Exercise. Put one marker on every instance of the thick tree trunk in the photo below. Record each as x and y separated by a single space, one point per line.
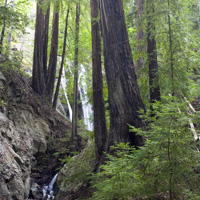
140 35
53 55
154 89
124 95
38 79
62 63
75 95
100 130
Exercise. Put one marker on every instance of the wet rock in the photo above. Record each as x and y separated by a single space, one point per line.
26 124
36 191
82 164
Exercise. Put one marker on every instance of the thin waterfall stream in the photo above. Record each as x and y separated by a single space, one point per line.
87 107
48 192
64 87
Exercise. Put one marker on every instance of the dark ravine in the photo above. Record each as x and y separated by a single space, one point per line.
30 133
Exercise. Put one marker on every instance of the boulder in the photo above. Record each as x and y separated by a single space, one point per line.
73 177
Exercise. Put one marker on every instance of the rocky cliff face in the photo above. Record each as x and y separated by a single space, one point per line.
20 140
26 124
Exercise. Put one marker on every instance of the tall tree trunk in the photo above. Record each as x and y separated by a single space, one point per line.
171 52
3 31
53 54
124 95
100 130
62 63
154 88
46 37
38 79
198 6
140 35
75 95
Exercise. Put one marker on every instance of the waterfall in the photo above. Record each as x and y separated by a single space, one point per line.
87 107
64 84
48 193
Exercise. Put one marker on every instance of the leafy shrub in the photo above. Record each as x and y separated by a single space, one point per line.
165 167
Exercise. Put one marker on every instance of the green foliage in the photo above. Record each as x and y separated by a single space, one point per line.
184 15
2 102
11 60
9 16
116 179
166 165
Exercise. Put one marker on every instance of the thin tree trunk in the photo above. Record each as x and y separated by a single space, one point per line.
198 5
46 36
140 35
171 52
3 31
75 95
124 95
53 54
154 88
100 130
10 35
11 26
62 63
38 79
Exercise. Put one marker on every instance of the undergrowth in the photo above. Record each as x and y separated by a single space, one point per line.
166 167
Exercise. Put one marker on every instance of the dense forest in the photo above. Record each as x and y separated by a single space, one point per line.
133 67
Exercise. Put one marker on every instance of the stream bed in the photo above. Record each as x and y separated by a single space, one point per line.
48 190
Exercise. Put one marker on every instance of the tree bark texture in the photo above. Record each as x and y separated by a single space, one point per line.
100 130
154 89
62 63
46 37
53 55
124 95
140 35
38 79
75 95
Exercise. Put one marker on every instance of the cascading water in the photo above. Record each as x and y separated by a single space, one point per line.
87 107
48 192
64 84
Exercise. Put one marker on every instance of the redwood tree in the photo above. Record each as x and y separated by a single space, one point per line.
75 95
152 55
38 78
62 63
100 130
124 95
140 34
53 54
46 37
